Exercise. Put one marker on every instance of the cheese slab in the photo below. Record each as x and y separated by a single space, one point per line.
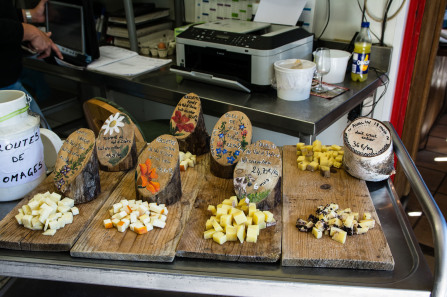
257 175
369 150
230 137
157 177
116 144
303 192
76 172
188 125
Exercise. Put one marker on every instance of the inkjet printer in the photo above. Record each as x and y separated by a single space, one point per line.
238 54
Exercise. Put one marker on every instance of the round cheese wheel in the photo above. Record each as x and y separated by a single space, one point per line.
369 150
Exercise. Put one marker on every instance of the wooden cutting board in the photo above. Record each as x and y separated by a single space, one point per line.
17 237
303 192
213 190
156 245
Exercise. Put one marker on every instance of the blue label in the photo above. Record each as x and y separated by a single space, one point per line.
360 63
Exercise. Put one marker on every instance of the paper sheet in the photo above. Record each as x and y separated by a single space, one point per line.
283 12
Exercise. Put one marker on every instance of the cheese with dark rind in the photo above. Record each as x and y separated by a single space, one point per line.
369 150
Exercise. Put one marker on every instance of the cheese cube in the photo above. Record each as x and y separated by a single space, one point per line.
258 217
49 232
303 165
300 159
158 223
63 208
268 216
216 226
240 233
251 209
115 222
367 216
67 202
317 232
140 229
349 221
249 221
234 200
334 230
312 166
36 224
190 163
121 215
122 226
188 155
370 223
26 209
54 225
156 208
33 204
335 222
340 236
231 233
252 234
208 233
360 230
184 165
225 220
239 217
26 220
212 209
208 224
233 210
149 226
55 197
74 210
181 156
19 218
219 237
108 224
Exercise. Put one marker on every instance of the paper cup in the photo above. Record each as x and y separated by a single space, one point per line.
293 84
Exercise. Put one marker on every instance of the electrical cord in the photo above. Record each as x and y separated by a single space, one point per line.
389 18
328 18
379 73
365 19
385 19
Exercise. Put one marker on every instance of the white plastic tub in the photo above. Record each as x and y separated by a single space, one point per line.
294 84
339 63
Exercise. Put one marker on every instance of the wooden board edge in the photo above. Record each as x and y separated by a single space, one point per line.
123 257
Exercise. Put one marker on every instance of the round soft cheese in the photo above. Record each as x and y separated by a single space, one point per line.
369 150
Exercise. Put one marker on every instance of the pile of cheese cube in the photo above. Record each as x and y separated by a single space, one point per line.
137 215
335 222
186 160
48 212
232 220
319 157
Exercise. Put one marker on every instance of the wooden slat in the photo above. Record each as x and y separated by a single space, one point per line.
156 245
303 192
212 191
17 237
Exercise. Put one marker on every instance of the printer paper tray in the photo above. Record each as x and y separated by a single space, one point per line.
210 78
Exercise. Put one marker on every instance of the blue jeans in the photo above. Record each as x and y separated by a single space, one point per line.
33 104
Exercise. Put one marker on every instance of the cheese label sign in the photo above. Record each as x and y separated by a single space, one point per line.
258 171
367 137
185 116
22 159
115 139
230 137
72 157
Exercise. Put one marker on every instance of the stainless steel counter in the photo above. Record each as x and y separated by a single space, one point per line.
411 276
302 119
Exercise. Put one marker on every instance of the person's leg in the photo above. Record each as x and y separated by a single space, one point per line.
33 105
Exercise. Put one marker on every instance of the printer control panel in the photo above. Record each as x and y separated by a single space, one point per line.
221 37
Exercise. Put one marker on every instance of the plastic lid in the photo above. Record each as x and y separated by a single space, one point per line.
365 24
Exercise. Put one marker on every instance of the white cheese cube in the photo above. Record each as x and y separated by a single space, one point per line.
158 223
116 207
149 226
188 155
115 222
142 209
26 209
121 215
26 220
181 156
19 218
55 197
55 216
67 217
156 208
67 201
74 210
63 208
36 224
124 202
132 226
50 202
54 225
133 218
35 212
61 222
33 204
49 232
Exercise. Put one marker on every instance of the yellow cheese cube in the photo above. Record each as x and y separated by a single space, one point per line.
227 202
219 237
324 161
340 236
244 208
212 209
335 147
216 226
334 230
251 209
239 217
317 233
233 210
258 217
303 165
360 230
316 142
349 221
252 234
298 153
254 227
299 145
335 222
339 158
249 221
209 224
262 225
221 211
242 202
208 233
337 164
234 200
225 220
312 166
231 233
300 159
370 223
240 233
268 216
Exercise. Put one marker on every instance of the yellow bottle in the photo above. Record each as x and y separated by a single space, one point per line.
361 55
